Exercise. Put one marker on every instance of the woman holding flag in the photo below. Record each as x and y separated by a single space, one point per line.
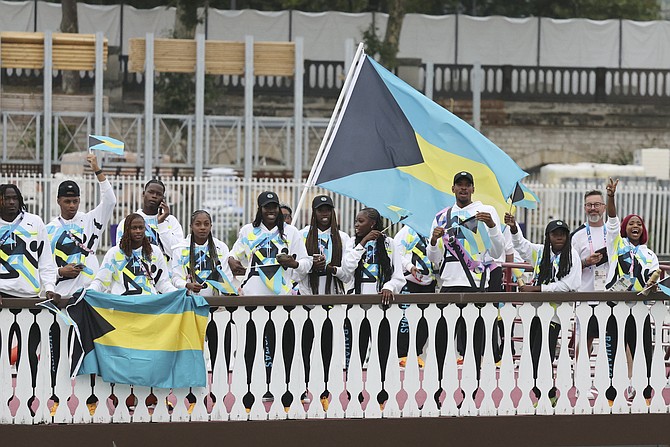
266 249
373 259
200 263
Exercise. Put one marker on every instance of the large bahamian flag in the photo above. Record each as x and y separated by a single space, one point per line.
150 340
389 144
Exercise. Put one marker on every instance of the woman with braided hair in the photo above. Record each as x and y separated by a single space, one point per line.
325 243
135 266
373 258
200 263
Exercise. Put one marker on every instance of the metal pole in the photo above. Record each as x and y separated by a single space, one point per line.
99 73
148 105
430 79
298 108
248 106
48 106
199 103
476 95
348 54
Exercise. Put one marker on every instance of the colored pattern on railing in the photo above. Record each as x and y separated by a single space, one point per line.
358 361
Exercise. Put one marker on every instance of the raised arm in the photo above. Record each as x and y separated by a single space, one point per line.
611 191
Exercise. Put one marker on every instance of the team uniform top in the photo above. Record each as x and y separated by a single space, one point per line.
257 247
532 253
75 241
133 275
630 265
371 268
166 235
326 246
452 272
214 273
26 261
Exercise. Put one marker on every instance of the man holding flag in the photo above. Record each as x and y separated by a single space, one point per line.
465 241
74 235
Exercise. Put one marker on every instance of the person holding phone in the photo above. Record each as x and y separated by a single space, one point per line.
75 235
162 228
325 243
268 251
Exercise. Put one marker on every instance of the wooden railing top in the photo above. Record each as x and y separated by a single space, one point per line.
445 298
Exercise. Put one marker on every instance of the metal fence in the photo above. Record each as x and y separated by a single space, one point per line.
232 202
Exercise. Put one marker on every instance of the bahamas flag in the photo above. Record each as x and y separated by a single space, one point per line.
523 197
389 144
150 340
664 286
102 143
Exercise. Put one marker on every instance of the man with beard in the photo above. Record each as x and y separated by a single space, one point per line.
162 228
589 240
26 262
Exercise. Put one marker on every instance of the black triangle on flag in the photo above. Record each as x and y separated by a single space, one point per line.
470 223
518 194
92 141
91 326
270 270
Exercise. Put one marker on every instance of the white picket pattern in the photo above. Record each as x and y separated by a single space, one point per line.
239 382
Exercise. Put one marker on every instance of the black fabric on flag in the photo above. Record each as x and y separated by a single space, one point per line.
91 327
518 194
374 133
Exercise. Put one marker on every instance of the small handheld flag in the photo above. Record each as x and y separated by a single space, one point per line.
101 143
523 197
664 286
398 215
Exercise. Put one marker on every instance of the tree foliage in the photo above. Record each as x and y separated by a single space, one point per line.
560 9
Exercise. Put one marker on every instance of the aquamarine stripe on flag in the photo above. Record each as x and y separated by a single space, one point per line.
165 303
108 144
161 369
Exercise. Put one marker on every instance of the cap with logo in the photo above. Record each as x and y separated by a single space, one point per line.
322 200
464 174
68 188
555 225
267 197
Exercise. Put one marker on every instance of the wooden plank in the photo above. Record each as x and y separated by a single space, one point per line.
70 51
224 58
274 58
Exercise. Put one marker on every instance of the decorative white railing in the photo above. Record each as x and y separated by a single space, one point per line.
264 355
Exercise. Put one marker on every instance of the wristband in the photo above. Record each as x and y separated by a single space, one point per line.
98 172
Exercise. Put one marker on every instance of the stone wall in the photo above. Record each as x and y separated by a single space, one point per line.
535 134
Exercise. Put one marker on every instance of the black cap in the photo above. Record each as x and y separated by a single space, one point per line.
464 174
68 189
267 197
322 200
555 225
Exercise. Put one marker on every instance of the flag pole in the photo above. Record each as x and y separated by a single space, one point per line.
334 122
